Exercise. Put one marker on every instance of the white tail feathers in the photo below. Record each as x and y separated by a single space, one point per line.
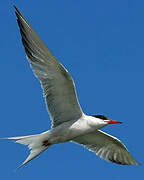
34 142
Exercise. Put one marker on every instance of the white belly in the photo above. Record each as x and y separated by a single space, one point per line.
69 130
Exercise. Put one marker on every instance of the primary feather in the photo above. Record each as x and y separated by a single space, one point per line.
56 81
107 147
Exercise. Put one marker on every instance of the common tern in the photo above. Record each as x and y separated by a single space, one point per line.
69 123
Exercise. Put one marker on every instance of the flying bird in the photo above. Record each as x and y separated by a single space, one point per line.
69 123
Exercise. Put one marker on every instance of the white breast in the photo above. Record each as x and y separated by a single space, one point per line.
67 131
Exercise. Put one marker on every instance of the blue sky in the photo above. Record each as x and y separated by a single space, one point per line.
101 43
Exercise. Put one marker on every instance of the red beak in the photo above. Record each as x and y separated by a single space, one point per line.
114 122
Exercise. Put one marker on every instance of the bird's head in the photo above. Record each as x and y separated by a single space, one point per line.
106 119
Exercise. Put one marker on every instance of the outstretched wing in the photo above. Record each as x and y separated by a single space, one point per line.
107 147
58 86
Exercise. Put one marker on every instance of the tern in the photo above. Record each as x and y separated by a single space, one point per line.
69 123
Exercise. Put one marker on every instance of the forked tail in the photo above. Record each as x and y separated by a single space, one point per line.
36 143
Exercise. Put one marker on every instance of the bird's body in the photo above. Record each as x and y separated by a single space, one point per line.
69 130
69 123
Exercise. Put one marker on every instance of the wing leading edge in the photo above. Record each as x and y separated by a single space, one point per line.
58 85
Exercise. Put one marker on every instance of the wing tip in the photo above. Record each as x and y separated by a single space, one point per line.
137 164
19 14
16 10
133 162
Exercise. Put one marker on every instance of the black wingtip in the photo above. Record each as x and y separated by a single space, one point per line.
14 6
17 12
16 9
